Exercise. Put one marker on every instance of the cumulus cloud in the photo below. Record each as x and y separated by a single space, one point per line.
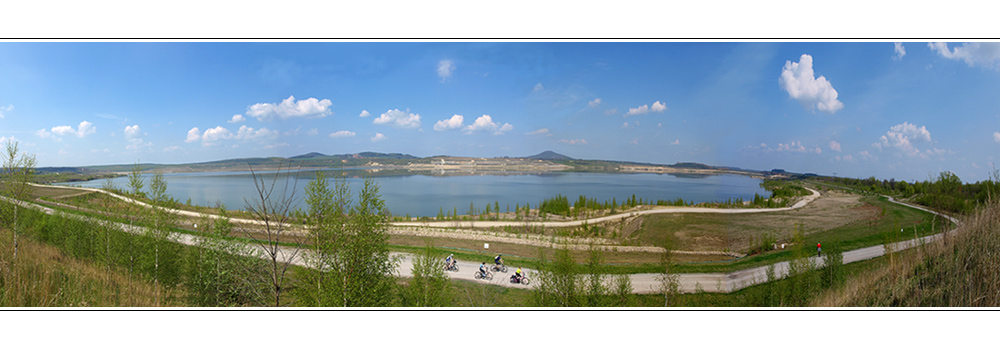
676 142
3 109
486 123
542 131
595 103
796 146
85 128
237 118
364 113
454 122
900 51
903 137
981 54
193 135
289 108
378 137
538 87
343 133
799 80
996 137
312 132
444 69
658 107
250 134
171 148
399 118
133 135
835 146
132 132
612 111
574 141
215 134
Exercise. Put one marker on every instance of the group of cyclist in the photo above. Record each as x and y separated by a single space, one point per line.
498 260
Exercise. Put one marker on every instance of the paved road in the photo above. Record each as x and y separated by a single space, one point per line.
641 283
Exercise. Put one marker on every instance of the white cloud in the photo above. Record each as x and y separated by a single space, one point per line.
312 132
983 54
378 137
595 103
193 135
248 133
835 146
132 132
796 146
485 123
612 111
171 148
996 137
444 69
281 144
5 109
454 122
900 51
538 87
344 133
574 141
801 83
364 113
85 128
289 108
658 107
45 134
237 118
625 126
903 136
542 131
399 118
215 134
676 142
133 135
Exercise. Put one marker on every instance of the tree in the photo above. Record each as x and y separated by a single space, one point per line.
429 286
223 272
596 290
160 219
368 269
558 282
18 172
272 211
669 281
327 221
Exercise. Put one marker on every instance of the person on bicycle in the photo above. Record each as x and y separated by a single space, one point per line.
498 260
517 275
449 261
482 268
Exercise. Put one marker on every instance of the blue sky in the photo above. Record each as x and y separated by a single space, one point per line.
904 111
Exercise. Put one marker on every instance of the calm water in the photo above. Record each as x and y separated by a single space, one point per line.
422 195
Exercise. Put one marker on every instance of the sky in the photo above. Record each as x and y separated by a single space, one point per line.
906 110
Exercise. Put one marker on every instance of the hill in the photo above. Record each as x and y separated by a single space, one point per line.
549 155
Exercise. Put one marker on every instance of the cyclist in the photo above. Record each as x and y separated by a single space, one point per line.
449 261
517 275
482 269
498 260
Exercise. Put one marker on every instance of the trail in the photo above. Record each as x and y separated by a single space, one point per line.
641 283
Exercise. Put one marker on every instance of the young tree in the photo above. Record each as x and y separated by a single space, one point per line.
558 282
272 211
223 272
596 290
368 269
18 172
159 221
669 281
429 286
327 233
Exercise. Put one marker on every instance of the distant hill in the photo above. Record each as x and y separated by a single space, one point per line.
691 166
549 155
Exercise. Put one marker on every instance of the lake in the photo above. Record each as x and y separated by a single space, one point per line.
425 195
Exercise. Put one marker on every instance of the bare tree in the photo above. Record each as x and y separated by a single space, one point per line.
272 210
17 175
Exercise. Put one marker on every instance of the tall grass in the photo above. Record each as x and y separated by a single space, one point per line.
960 271
44 276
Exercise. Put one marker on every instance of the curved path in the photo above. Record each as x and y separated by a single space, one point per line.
641 283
